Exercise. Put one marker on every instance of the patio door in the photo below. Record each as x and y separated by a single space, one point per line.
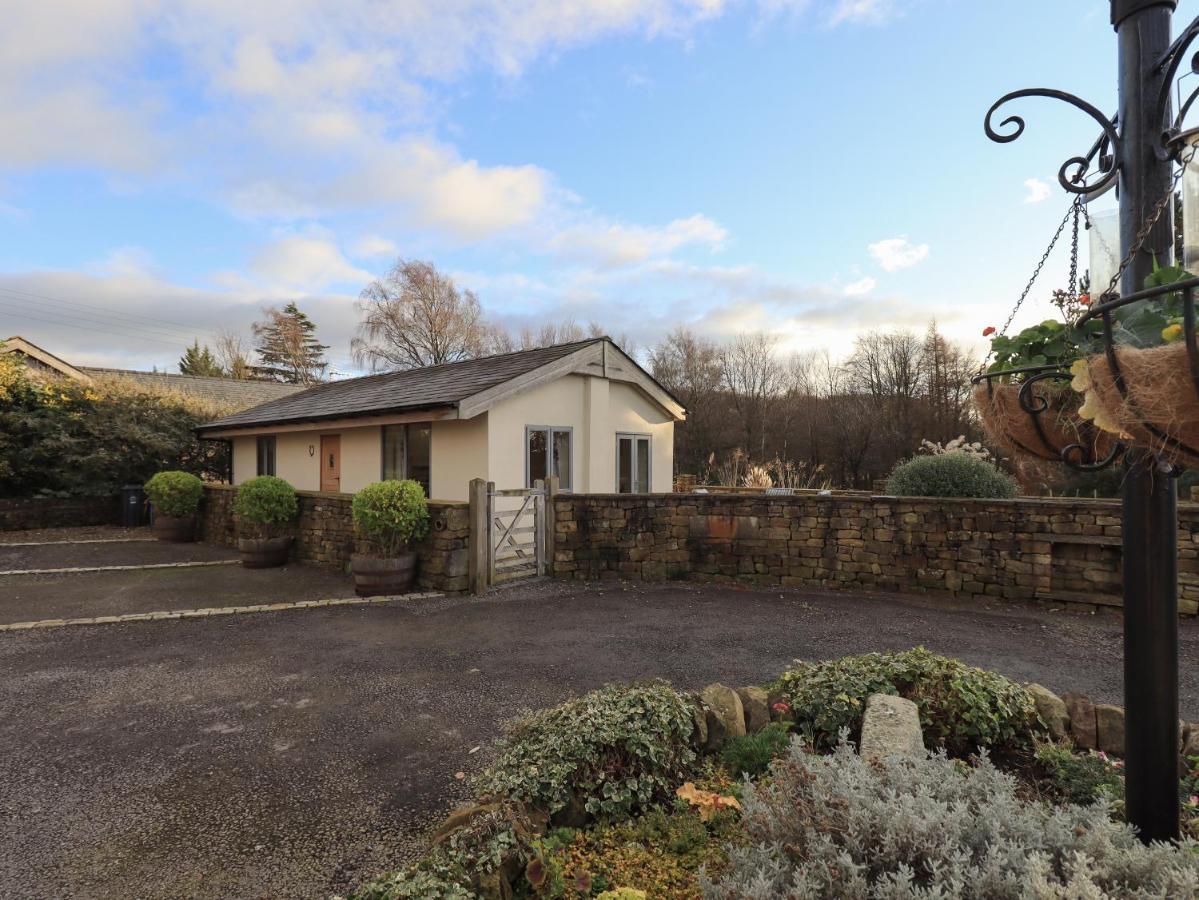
331 463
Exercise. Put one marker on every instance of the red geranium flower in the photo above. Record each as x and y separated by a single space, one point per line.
988 331
1084 299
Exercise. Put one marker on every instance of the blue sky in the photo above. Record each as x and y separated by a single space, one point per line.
813 169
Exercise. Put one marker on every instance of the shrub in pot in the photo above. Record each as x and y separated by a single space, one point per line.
176 497
389 515
950 475
265 507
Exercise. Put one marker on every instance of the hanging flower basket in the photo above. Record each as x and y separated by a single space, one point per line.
1039 417
1147 396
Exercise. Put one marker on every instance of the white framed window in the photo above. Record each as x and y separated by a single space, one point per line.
266 455
548 452
406 452
633 463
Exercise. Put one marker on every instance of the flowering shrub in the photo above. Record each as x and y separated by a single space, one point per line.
175 493
950 475
958 445
961 708
1081 777
613 752
392 513
841 827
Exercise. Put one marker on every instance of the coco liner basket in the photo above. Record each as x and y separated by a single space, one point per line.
1039 416
1150 394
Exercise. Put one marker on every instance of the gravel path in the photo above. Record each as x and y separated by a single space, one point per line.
109 553
296 754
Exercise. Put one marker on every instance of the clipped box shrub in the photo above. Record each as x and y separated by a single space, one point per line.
175 494
392 514
614 752
961 708
950 475
841 827
266 501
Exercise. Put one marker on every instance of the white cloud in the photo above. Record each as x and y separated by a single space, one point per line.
371 245
305 264
616 245
894 254
863 12
859 287
1038 190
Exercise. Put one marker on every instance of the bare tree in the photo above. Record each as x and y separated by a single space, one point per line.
753 376
233 355
416 316
689 367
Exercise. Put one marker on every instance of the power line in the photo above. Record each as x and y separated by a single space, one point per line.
40 316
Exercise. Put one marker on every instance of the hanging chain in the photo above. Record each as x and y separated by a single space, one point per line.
1154 215
1071 212
1072 291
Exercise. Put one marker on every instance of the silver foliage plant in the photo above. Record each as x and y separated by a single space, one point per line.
838 826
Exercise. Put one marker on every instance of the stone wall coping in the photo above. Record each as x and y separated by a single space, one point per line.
728 498
338 495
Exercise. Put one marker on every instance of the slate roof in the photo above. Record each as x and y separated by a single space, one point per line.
228 392
408 390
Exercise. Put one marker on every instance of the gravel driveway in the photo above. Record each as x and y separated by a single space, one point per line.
293 754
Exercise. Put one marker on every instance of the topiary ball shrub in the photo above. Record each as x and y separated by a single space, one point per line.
392 514
175 494
950 475
961 708
612 753
266 501
840 826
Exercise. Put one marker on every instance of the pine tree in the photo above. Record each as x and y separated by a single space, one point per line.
287 348
200 361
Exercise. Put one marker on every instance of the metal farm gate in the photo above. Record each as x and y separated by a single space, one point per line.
516 533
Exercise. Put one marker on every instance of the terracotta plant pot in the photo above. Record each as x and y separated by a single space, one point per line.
176 529
1159 406
263 553
1042 435
382 576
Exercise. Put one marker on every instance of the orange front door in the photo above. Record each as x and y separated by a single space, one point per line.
331 462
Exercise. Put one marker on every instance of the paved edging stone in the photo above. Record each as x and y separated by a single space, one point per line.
214 611
125 540
76 569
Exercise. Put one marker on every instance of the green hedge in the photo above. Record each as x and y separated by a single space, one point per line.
391 513
267 501
950 475
175 493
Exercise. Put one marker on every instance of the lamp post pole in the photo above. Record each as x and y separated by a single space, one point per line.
1150 514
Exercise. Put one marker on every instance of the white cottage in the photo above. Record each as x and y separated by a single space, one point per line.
583 411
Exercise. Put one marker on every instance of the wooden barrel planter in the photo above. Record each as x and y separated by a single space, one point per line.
175 529
263 553
1039 417
376 576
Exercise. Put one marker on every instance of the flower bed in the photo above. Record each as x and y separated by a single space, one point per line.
639 791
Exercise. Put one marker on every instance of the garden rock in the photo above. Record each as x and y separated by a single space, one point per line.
726 715
891 727
1052 711
756 704
1190 741
1082 720
1109 727
699 715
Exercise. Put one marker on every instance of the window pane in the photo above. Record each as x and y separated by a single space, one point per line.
266 456
642 465
420 440
537 456
562 458
393 451
624 465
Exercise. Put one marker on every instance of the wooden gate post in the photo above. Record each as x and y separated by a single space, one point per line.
551 518
539 505
480 537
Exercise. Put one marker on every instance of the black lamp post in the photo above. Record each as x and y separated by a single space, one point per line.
1137 152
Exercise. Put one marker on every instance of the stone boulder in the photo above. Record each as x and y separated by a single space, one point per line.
726 715
756 704
891 727
1082 720
699 716
1052 711
1109 729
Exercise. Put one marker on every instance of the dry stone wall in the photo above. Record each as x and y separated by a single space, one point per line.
19 515
1058 550
325 534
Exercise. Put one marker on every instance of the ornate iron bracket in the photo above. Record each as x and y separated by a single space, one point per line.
1106 148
